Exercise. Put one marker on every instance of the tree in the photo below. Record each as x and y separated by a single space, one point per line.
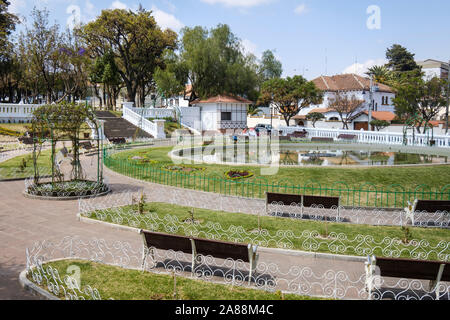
270 67
105 71
39 48
379 124
213 63
138 45
400 59
417 96
253 110
347 107
314 117
381 74
7 25
290 95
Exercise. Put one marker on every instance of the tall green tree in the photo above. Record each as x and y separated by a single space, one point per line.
418 97
212 62
270 67
290 95
400 59
39 47
138 45
8 23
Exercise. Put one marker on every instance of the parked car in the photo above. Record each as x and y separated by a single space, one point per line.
266 127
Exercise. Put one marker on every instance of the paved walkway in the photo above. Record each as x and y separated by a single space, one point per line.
24 221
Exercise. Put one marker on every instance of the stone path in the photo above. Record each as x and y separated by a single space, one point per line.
24 221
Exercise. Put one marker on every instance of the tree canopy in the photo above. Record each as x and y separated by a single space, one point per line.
213 63
425 98
137 42
290 95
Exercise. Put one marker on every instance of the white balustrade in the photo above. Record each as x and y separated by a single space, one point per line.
14 113
390 138
156 128
154 113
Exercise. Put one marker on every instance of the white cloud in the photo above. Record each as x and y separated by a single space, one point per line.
118 5
361 68
301 9
238 3
166 20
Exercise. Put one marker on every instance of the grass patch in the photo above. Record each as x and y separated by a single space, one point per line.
273 225
14 168
123 284
367 187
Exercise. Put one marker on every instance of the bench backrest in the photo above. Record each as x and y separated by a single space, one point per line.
412 269
347 136
167 241
308 201
326 202
222 250
321 139
433 205
285 198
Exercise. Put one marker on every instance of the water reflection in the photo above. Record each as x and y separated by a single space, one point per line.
305 157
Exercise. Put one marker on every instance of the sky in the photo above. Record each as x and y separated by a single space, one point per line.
310 37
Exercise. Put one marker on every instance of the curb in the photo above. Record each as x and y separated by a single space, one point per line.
107 224
288 252
29 196
34 289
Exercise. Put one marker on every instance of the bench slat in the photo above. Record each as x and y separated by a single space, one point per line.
308 201
167 242
222 250
326 202
433 205
412 269
286 199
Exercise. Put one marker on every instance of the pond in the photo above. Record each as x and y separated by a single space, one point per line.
316 155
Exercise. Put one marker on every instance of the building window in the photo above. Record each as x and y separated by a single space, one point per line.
333 119
226 116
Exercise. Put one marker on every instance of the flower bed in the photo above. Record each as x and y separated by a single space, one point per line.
66 189
143 159
237 174
183 169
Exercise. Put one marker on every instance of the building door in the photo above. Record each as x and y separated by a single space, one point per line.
361 125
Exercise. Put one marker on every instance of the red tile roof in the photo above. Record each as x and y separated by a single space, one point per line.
347 82
223 99
382 115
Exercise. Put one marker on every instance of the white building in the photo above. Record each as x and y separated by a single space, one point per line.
434 68
350 85
218 113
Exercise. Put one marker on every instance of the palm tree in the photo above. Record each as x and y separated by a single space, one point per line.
253 110
381 74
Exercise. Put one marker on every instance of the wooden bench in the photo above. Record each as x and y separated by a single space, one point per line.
86 145
298 134
349 137
429 206
434 271
305 201
118 140
321 139
196 246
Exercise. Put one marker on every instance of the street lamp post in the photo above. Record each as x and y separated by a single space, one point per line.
371 102
448 99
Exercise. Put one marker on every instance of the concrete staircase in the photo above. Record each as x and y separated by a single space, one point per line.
116 127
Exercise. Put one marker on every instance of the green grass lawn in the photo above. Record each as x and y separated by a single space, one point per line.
273 225
375 186
123 284
11 169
